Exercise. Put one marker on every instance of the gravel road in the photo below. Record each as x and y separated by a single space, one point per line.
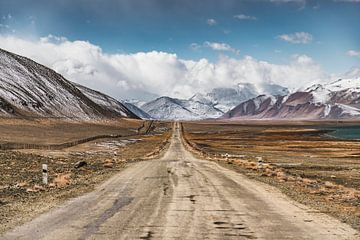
181 197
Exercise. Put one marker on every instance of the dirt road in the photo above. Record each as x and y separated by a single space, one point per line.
181 197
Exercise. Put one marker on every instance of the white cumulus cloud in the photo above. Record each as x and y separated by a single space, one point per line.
144 74
221 47
353 53
244 17
298 37
211 22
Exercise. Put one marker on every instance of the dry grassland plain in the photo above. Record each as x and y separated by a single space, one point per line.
22 194
298 158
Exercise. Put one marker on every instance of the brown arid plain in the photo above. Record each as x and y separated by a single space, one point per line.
79 155
302 161
296 157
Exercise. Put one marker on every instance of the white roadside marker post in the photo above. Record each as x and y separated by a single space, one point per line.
45 174
260 162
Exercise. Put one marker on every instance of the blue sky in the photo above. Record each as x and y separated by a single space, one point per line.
267 30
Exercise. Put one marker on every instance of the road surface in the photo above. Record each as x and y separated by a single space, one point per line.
181 197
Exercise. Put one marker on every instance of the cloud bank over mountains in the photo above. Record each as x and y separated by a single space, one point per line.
144 75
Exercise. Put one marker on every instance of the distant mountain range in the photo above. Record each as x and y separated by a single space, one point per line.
227 98
207 106
337 100
28 89
172 108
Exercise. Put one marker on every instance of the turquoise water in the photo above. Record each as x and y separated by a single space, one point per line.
344 132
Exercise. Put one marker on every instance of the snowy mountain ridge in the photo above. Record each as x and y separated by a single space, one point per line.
33 90
339 99
172 108
227 98
323 93
209 105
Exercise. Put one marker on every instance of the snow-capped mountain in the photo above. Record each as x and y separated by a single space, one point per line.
172 108
259 106
135 109
136 102
209 105
346 91
336 100
227 98
30 89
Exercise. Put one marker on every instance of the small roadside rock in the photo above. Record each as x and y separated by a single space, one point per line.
39 188
36 188
21 184
4 187
62 180
80 164
108 165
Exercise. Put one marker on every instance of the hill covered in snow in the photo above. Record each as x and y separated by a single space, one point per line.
29 89
339 99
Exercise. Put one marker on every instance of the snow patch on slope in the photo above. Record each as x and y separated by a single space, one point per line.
349 110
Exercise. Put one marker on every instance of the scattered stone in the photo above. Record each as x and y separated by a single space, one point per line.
108 165
31 190
22 184
80 164
4 187
330 185
39 188
62 180
281 176
291 179
308 182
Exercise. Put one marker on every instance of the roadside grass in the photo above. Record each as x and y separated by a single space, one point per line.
22 195
302 161
53 131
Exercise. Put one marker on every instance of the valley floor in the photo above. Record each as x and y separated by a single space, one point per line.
179 196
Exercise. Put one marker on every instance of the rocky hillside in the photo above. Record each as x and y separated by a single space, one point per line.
29 89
